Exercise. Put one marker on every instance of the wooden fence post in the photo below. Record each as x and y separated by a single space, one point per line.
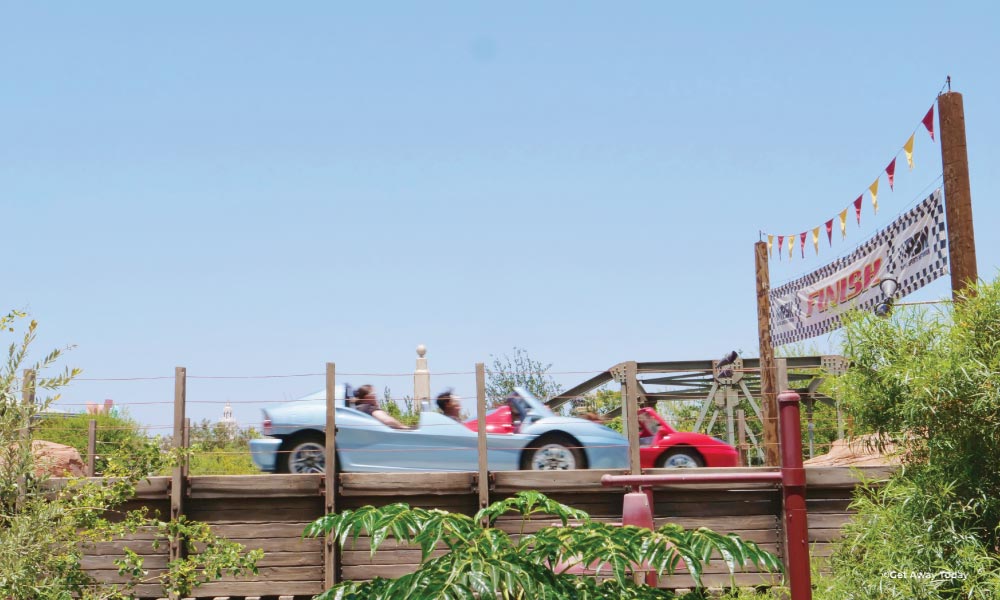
741 428
178 480
484 475
631 403
331 565
92 448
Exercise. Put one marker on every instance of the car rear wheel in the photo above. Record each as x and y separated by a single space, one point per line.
553 453
680 458
304 453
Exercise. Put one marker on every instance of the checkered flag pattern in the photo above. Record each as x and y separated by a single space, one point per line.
913 250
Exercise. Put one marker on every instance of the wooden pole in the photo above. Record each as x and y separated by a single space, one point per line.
631 404
768 382
330 558
92 448
957 193
177 479
741 427
186 465
484 477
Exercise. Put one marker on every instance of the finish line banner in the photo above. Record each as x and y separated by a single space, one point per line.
913 250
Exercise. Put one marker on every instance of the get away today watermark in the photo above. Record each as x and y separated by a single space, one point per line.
927 575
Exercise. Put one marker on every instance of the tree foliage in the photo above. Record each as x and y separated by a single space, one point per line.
116 432
929 382
519 370
45 530
482 561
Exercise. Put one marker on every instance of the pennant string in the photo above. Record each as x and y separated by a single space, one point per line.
890 170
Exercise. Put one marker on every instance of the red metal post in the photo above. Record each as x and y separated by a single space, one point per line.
637 510
793 489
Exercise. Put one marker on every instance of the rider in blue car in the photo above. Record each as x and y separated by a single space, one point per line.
366 402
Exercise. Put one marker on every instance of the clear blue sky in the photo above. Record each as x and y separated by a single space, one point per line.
249 188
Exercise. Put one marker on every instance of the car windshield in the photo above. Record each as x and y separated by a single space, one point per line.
538 407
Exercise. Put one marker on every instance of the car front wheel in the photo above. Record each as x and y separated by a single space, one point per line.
303 454
553 453
680 459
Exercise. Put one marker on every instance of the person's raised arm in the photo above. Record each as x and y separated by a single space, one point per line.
386 418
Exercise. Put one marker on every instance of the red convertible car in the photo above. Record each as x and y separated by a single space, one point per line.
661 446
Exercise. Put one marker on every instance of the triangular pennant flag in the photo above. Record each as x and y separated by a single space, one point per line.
857 208
770 246
829 232
816 240
802 236
873 188
908 148
781 244
928 122
891 172
843 224
791 246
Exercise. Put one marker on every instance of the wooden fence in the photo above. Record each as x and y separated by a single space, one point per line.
271 511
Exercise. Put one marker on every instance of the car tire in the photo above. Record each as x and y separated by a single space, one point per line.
553 452
303 453
680 458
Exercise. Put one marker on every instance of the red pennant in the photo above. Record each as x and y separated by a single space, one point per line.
781 245
802 239
857 203
891 172
829 232
928 122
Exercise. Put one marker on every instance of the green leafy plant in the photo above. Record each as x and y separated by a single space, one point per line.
45 528
929 383
482 561
116 432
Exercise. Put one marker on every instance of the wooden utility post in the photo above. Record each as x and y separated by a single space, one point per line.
484 477
177 479
768 374
957 193
330 563
630 401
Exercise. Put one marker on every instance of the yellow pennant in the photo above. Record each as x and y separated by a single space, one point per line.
908 147
791 246
816 240
873 188
770 246
843 223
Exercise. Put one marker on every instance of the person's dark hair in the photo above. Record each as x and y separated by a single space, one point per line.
443 398
364 392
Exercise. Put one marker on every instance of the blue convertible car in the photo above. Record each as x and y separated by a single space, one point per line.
536 438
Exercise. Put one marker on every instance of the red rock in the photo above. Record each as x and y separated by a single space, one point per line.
859 452
57 460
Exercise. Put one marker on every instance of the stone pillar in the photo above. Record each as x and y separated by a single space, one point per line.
421 376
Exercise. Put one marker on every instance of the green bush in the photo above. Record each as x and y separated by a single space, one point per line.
116 432
929 383
912 539
219 449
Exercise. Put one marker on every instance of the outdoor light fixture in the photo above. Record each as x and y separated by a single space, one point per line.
725 361
888 286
